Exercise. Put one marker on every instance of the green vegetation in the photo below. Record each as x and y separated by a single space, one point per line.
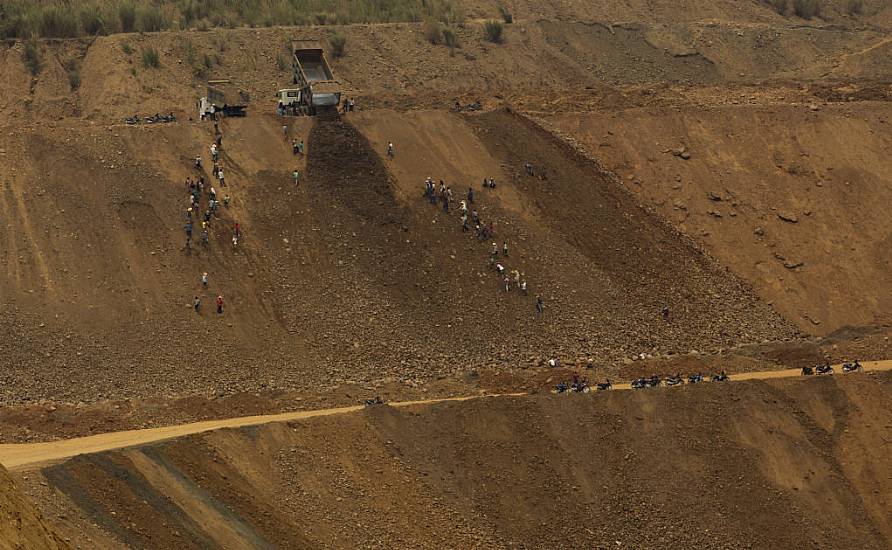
780 6
151 19
506 15
74 79
807 9
150 58
450 39
127 16
492 31
65 19
337 41
31 57
433 31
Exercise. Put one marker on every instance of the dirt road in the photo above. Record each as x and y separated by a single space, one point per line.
27 456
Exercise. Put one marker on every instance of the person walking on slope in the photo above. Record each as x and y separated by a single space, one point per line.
196 303
220 304
540 306
204 280
505 249
295 176
470 196
214 156
390 150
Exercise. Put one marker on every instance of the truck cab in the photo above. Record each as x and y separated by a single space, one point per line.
288 97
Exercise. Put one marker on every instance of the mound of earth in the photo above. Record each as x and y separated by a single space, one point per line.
350 276
21 525
791 208
742 464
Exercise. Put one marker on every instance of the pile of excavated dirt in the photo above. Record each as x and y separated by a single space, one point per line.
544 57
768 464
350 277
795 208
21 525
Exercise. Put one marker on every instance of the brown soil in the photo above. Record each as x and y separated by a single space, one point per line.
790 207
753 462
21 525
712 157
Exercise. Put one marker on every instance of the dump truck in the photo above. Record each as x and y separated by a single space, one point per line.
313 81
216 100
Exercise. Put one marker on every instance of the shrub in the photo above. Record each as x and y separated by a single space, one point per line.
74 79
31 57
450 39
151 19
127 16
780 6
807 9
506 15
58 22
221 43
433 31
150 58
326 18
338 42
854 7
492 31
92 22
447 13
127 48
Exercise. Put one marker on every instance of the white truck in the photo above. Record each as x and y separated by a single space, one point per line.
288 99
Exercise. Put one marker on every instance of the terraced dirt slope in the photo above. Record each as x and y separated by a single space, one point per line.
552 51
350 276
21 525
721 465
796 206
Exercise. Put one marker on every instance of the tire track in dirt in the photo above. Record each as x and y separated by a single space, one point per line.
28 456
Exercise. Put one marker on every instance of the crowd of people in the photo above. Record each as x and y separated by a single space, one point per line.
442 195
203 212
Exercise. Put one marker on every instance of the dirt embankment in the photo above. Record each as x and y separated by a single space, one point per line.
744 464
795 207
21 525
544 56
346 278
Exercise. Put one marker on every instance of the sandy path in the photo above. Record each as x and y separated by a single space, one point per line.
15 456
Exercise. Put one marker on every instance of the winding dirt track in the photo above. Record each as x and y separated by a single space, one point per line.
16 456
